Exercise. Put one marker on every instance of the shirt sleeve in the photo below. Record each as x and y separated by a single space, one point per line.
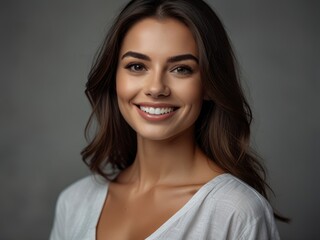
244 215
59 223
257 220
260 230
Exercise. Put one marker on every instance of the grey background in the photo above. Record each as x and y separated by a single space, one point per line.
46 52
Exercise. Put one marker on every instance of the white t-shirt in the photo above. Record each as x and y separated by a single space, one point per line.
223 208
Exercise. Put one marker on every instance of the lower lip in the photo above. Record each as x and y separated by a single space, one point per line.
153 117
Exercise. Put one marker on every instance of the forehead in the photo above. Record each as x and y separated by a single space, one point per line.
161 37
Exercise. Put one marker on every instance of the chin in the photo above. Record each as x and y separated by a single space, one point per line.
164 134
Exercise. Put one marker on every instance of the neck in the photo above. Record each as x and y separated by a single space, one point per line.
164 162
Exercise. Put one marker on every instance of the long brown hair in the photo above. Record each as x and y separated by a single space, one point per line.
223 127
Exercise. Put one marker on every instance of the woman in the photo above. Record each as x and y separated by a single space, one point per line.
171 155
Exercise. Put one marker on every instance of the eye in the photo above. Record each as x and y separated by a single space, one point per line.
135 67
183 70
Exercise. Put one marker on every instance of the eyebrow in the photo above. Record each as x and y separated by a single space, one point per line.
136 55
170 59
183 57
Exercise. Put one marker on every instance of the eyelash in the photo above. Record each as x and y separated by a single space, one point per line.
187 70
130 67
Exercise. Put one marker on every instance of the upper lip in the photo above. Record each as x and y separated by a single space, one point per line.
156 105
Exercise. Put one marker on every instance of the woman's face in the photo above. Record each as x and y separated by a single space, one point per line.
158 80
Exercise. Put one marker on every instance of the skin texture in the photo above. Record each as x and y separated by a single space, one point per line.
169 168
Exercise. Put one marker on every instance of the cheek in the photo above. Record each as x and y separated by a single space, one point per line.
124 87
191 92
122 90
120 84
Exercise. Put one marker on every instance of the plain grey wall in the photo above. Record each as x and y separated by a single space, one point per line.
46 52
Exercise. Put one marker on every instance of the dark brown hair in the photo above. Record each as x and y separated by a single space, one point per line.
223 127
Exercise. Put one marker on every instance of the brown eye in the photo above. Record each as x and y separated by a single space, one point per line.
136 67
183 70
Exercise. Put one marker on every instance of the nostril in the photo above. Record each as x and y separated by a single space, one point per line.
158 93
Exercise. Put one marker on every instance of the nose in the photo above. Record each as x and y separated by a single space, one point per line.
156 86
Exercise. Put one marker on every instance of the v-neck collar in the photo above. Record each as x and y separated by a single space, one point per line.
200 194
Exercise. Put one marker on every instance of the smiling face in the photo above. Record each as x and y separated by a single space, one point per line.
158 80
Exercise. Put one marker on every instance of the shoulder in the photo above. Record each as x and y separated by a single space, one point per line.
241 209
80 197
78 207
83 188
238 196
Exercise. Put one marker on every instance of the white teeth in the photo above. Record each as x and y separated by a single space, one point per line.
156 111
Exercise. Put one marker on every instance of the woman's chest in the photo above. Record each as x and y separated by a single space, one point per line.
136 217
